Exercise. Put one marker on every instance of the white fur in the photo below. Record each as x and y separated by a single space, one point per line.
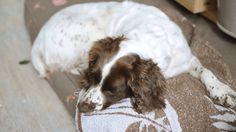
217 90
64 41
151 35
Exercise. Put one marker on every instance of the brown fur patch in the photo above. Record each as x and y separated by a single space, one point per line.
133 76
102 51
146 82
115 85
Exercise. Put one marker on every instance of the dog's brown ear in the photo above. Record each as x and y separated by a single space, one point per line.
88 78
99 54
103 50
146 83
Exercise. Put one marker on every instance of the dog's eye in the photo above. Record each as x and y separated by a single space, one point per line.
109 92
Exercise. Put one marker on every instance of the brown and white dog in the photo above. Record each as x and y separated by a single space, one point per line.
122 50
110 78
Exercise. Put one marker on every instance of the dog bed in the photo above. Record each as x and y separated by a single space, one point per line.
188 107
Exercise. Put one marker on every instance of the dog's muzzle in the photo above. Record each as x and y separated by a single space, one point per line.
90 100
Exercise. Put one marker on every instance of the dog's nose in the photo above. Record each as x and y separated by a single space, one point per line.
86 107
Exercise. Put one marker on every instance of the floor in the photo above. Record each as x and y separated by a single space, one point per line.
26 99
27 103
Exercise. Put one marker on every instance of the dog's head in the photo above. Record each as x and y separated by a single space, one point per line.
107 81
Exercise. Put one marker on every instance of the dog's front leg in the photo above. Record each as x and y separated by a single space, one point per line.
221 93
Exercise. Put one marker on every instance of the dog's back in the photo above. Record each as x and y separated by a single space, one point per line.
68 36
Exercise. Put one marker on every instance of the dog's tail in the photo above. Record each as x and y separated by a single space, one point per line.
37 59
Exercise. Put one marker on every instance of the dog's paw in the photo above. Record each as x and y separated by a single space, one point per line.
222 94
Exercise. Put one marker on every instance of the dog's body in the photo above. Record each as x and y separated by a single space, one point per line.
65 40
152 42
69 35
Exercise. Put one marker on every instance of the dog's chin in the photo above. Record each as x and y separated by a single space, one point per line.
105 106
90 111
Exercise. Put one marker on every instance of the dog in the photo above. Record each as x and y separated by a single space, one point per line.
121 49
